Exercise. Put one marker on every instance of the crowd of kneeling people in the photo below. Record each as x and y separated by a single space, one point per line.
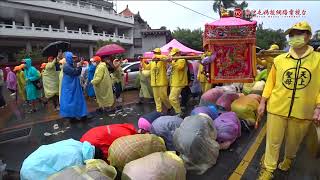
164 147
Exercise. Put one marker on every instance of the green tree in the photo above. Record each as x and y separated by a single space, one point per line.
35 54
266 37
190 38
101 43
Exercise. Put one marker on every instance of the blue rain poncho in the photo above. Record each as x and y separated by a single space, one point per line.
72 102
164 127
31 74
90 89
52 158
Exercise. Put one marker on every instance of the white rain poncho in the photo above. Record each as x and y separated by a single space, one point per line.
156 166
195 139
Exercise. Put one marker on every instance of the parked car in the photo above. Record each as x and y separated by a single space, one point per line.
130 69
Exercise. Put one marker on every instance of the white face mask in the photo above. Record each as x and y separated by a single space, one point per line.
94 63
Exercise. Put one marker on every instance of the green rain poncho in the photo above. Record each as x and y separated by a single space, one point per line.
21 85
102 84
50 79
31 74
143 81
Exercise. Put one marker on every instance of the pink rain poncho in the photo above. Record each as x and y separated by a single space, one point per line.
226 100
211 95
11 79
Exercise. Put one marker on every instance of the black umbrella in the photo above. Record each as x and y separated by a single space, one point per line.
53 48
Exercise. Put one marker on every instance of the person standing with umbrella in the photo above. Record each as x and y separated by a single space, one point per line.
72 102
50 81
102 84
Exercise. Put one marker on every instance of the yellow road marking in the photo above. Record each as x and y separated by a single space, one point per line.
243 165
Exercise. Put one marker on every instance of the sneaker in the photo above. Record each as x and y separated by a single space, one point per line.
265 175
285 164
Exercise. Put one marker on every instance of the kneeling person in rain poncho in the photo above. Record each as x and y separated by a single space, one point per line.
103 136
195 140
52 158
160 166
129 148
164 127
72 102
145 121
93 170
102 84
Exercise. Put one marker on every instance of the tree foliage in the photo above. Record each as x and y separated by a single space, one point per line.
266 37
190 38
35 54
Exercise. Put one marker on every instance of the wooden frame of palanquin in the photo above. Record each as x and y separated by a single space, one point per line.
231 35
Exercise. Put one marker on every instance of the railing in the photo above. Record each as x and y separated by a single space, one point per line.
62 4
61 33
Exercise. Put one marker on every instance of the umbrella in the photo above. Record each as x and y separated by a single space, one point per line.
110 50
53 48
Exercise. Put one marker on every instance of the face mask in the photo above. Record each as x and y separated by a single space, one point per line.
94 63
297 41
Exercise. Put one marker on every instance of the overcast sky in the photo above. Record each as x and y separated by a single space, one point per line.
166 13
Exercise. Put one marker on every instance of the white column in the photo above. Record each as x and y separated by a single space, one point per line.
89 27
116 30
28 47
61 22
90 50
26 18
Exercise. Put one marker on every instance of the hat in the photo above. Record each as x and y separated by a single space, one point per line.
157 50
43 65
302 26
16 68
274 47
174 51
96 58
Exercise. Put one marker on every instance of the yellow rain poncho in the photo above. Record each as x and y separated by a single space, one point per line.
21 81
50 80
205 85
103 86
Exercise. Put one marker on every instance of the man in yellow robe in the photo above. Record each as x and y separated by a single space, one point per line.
159 81
293 99
178 80
102 85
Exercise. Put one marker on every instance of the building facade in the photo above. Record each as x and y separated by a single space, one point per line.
31 25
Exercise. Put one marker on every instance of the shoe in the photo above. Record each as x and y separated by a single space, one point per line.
13 94
265 175
285 164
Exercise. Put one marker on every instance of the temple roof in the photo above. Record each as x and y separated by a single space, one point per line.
126 12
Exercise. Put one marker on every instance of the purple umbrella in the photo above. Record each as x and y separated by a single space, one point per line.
110 50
